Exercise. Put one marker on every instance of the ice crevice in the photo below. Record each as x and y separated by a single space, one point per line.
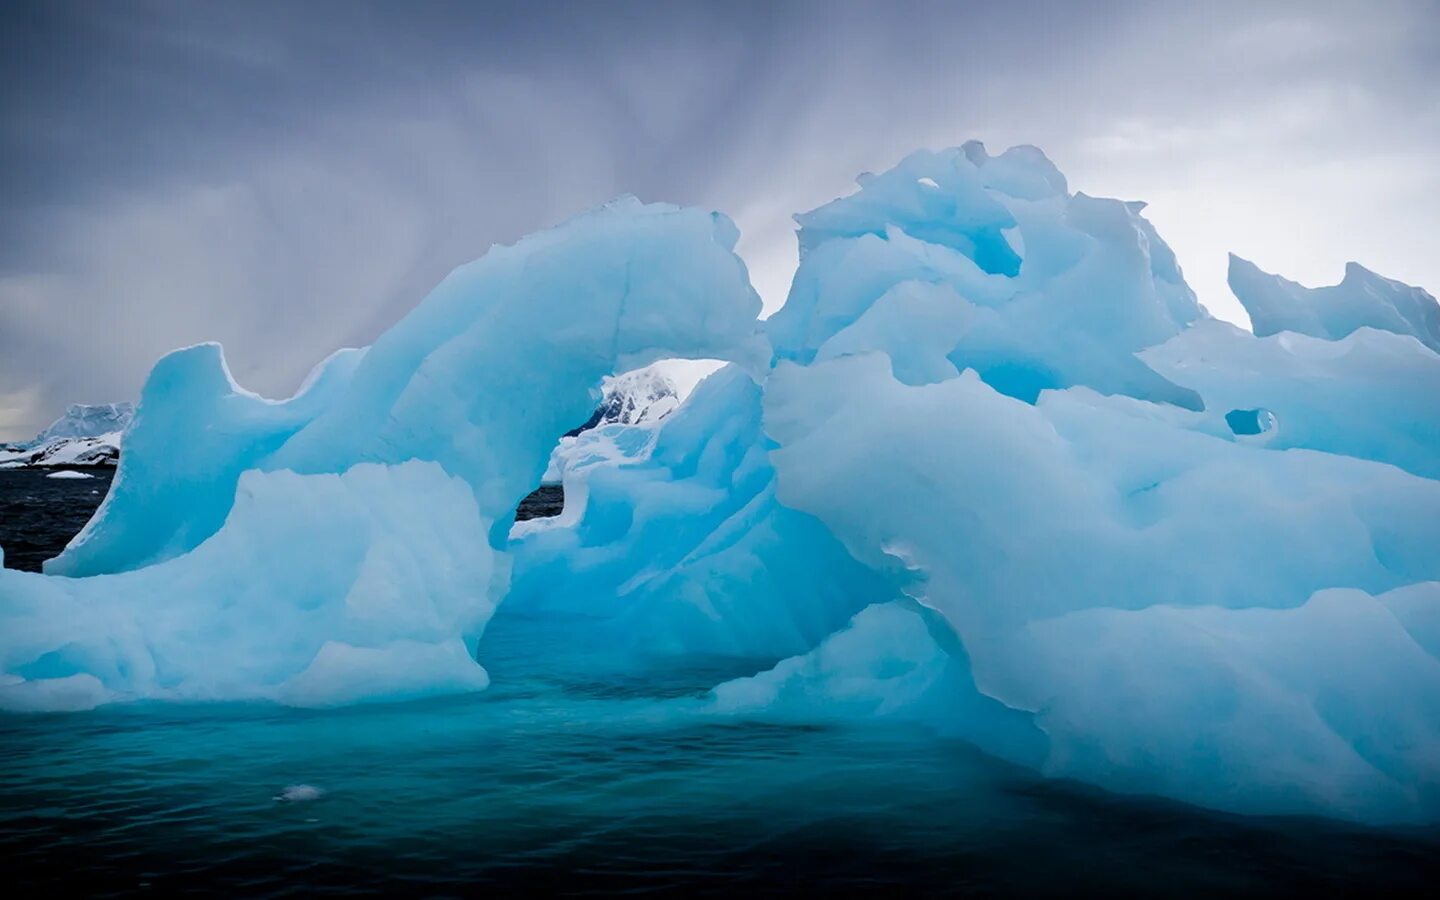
991 470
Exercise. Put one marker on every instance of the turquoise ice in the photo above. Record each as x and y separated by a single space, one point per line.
992 470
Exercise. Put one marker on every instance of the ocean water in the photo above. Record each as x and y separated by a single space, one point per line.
555 781
39 515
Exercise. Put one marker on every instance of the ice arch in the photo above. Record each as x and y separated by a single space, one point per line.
980 478
349 543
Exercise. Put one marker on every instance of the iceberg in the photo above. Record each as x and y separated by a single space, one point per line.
348 544
992 471
1117 555
481 378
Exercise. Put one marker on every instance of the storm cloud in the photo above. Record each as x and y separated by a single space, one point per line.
290 178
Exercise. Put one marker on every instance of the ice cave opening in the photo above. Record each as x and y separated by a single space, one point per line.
1246 422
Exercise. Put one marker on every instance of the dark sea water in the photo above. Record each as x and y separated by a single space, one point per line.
554 782
39 515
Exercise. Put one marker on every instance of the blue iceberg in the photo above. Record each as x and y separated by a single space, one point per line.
992 471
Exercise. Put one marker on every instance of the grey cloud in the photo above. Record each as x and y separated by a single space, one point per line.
289 178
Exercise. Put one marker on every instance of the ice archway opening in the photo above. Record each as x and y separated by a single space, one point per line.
349 543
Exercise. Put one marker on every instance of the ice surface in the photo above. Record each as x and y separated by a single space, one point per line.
195 432
1095 285
1371 395
1128 533
1002 478
683 549
67 473
1361 300
402 576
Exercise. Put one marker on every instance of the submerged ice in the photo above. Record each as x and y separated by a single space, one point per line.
992 469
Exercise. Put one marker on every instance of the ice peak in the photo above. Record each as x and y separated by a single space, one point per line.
1362 299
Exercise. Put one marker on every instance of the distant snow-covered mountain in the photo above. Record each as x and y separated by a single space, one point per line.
635 398
640 399
85 436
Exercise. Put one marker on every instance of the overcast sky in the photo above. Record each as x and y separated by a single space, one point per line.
291 178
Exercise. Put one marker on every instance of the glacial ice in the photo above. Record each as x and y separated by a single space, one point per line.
1361 300
683 549
348 544
1115 559
394 576
1371 395
195 433
991 471
1096 285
